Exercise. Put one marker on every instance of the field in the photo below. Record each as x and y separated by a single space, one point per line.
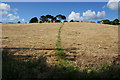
75 48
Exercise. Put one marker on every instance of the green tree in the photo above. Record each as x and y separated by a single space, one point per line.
72 21
106 21
61 17
116 21
43 18
112 23
54 18
34 20
48 17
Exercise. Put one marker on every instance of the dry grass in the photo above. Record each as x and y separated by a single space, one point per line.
92 44
85 46
89 38
30 35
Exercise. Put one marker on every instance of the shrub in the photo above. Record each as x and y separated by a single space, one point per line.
106 21
116 21
34 20
71 21
112 23
57 21
18 21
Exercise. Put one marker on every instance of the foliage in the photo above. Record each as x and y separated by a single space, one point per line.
61 17
65 21
43 18
106 21
112 23
34 20
71 21
49 18
115 22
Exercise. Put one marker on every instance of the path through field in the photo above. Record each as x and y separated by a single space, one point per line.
85 45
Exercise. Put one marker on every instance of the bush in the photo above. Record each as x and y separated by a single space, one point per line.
112 23
116 21
57 21
65 21
71 21
106 21
34 20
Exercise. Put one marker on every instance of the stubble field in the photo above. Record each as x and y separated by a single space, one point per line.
83 44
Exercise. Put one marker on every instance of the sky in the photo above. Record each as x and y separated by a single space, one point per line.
79 11
54 0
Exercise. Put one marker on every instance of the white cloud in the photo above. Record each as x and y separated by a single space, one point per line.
4 8
88 15
113 4
11 17
6 11
74 16
92 15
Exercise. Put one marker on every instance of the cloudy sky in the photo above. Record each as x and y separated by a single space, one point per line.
85 11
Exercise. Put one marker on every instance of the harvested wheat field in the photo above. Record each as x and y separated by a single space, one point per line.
92 42
30 35
83 45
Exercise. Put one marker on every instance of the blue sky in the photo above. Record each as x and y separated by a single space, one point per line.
27 10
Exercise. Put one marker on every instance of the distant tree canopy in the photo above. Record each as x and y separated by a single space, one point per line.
43 18
106 21
52 18
47 18
115 22
34 20
61 17
71 21
18 22
65 21
57 21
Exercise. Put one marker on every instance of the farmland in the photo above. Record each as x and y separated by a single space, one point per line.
84 45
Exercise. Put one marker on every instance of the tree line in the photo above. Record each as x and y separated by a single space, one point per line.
49 18
114 22
59 18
